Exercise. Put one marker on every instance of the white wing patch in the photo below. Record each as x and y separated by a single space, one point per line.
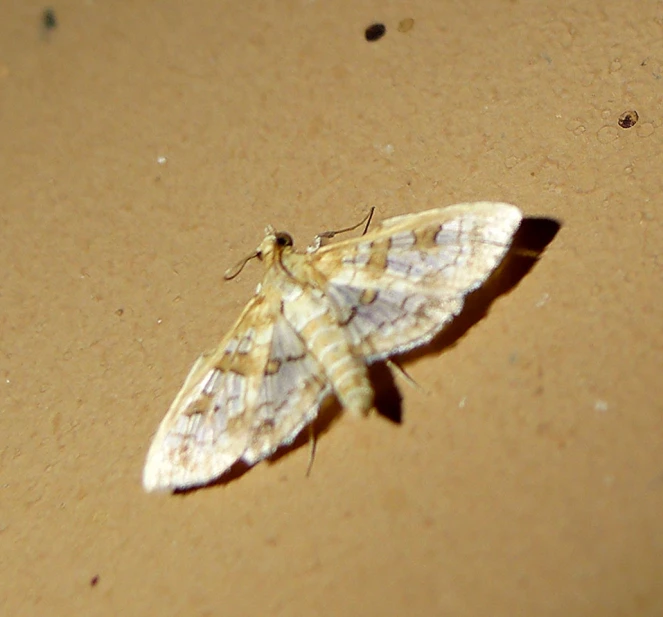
292 390
317 321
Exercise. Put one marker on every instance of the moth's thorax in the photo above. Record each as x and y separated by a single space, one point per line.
283 265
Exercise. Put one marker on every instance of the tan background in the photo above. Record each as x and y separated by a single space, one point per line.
528 481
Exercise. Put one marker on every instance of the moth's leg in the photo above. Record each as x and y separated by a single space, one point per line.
312 442
326 235
397 368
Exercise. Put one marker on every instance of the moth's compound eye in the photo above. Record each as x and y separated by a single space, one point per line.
283 239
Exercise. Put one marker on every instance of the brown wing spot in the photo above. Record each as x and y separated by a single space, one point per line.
378 256
245 344
368 296
428 236
273 366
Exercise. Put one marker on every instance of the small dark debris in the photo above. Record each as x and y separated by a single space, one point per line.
48 19
628 119
119 312
94 580
375 32
405 25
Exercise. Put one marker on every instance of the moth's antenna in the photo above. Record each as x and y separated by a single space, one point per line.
231 273
369 218
317 241
366 219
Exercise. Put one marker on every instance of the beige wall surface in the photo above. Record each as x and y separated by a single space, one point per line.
144 146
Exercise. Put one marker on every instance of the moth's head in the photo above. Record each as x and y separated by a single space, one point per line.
269 250
274 243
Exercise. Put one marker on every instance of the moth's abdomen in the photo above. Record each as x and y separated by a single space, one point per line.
311 314
347 373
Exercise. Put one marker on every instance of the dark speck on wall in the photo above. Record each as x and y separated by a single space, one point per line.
628 119
375 32
48 19
405 25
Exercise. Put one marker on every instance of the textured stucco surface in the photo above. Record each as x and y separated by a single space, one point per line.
526 476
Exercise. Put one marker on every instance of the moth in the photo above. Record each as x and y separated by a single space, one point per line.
316 322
